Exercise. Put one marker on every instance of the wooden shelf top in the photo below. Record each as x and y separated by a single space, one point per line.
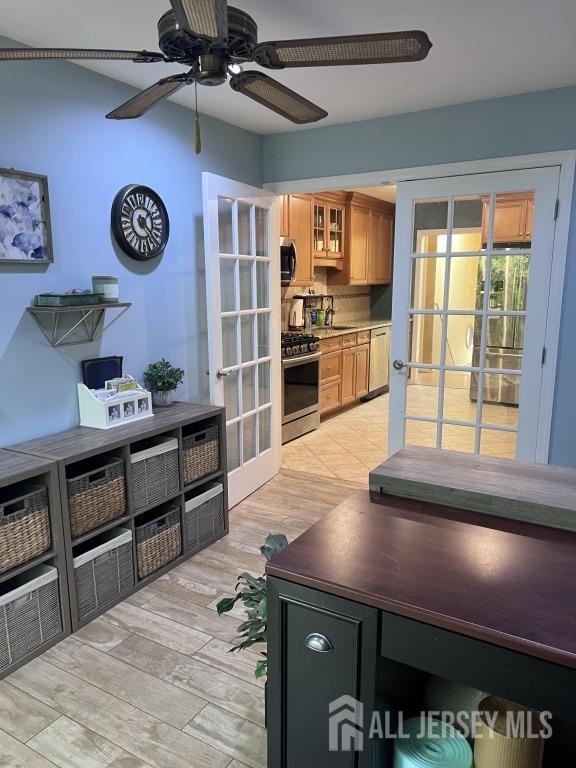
15 466
81 442
504 582
537 493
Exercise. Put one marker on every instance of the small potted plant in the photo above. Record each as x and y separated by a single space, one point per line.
162 378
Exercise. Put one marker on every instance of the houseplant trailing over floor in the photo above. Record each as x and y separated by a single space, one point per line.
251 591
162 378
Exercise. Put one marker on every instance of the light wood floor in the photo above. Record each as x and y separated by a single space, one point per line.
151 683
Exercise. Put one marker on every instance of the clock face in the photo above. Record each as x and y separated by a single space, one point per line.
140 222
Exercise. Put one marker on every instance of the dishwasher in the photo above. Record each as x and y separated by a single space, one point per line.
379 380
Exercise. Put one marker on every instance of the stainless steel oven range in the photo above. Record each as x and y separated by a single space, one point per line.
300 384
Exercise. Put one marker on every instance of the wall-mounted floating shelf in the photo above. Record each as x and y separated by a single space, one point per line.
65 326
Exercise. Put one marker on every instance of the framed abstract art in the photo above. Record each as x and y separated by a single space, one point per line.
25 232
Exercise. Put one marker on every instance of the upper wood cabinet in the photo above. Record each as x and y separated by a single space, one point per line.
300 218
285 216
512 218
380 252
369 227
328 215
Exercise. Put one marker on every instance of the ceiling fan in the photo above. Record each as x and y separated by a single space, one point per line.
215 41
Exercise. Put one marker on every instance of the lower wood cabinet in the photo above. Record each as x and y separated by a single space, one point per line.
344 370
320 648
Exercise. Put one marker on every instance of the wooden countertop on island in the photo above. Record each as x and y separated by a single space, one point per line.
509 583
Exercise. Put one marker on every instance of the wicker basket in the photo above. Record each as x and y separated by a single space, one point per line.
158 541
97 494
104 573
204 517
24 524
155 473
201 454
30 615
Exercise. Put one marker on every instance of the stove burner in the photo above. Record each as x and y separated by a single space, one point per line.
294 344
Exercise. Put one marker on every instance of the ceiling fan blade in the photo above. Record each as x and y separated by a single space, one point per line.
333 51
275 96
35 54
202 18
145 100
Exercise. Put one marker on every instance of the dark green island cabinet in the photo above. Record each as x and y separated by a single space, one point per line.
418 581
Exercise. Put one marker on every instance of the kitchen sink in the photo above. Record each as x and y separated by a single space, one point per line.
343 328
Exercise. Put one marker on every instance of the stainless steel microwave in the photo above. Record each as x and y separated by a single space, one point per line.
288 260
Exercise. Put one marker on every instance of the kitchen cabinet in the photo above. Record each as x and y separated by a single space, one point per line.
369 226
344 370
328 230
362 373
285 216
348 391
300 222
325 647
512 218
380 251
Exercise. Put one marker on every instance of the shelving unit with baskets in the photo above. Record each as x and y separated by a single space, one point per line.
34 608
124 498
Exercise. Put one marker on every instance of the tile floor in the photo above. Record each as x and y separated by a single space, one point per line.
349 444
151 683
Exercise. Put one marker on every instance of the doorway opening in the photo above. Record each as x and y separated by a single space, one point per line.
464 330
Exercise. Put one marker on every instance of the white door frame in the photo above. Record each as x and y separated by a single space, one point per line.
565 160
268 464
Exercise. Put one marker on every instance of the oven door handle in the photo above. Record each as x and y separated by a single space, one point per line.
290 362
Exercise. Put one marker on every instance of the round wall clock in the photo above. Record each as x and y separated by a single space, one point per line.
140 222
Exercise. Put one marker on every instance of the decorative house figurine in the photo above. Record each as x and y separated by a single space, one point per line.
121 401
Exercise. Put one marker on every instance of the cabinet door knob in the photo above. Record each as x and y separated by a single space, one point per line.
319 643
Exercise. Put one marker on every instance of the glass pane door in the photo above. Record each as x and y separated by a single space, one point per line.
241 235
244 261
466 365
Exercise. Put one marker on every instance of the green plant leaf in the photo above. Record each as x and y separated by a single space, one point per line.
275 542
226 604
261 668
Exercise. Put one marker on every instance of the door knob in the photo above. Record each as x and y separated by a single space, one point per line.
319 643
399 364
220 373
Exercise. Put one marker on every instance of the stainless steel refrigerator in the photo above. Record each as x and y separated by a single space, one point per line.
505 335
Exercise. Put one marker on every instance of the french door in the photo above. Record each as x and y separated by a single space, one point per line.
242 235
473 258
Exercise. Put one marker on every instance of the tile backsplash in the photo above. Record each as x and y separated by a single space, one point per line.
351 302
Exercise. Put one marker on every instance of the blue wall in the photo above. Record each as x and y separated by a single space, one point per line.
52 122
517 125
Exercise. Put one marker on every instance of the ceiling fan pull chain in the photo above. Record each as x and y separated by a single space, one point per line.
197 137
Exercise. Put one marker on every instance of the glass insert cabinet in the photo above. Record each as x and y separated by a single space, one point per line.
328 228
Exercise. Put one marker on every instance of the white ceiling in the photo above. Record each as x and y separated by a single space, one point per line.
482 49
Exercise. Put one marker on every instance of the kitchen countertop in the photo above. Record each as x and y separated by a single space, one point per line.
351 327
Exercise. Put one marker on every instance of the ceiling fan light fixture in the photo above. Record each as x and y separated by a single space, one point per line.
235 68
